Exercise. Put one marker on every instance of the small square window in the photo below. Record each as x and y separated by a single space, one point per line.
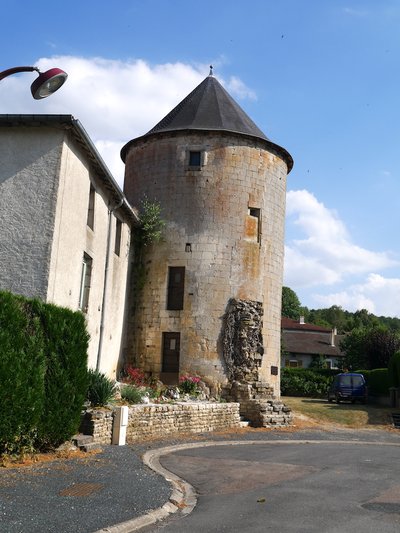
194 158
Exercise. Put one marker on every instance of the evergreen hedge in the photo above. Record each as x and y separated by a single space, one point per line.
66 378
43 373
378 382
312 383
22 371
394 370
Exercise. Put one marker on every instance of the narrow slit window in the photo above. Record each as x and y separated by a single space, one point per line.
118 231
253 224
176 285
90 213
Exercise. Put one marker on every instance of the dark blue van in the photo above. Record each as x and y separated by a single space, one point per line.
348 387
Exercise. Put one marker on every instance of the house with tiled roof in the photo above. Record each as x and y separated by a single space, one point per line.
302 343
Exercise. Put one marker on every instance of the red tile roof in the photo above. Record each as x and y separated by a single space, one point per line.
309 339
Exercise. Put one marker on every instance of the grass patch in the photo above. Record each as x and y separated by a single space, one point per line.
344 414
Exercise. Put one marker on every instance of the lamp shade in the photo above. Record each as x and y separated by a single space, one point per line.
47 83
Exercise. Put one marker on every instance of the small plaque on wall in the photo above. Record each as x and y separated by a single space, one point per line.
274 370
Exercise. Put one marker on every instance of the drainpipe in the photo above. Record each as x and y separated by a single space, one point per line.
103 303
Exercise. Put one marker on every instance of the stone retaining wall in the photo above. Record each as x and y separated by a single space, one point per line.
146 421
258 404
266 413
98 423
158 420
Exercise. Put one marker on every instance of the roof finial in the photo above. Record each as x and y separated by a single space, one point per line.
211 70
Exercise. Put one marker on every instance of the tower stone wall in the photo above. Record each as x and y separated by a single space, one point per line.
225 226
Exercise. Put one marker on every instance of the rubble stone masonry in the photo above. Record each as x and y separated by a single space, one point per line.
159 420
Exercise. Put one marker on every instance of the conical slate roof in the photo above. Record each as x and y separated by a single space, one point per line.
208 107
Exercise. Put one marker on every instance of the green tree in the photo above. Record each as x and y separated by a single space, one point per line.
151 224
315 316
290 304
364 319
369 348
332 317
382 344
149 231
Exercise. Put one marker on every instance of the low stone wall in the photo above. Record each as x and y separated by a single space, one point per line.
158 420
99 424
266 413
258 404
146 421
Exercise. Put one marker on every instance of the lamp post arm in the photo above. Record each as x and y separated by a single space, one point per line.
15 70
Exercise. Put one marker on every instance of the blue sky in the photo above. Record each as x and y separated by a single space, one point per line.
319 77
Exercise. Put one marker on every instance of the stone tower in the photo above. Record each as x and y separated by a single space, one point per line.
211 301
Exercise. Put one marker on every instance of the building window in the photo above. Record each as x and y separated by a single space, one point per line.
86 277
90 213
176 285
194 158
118 231
253 224
293 363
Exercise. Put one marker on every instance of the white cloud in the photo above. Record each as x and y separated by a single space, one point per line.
114 100
236 87
322 257
326 255
377 294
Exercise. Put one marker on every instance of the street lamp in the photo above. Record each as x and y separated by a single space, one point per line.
45 84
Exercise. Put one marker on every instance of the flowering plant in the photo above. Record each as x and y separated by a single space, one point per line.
136 376
189 384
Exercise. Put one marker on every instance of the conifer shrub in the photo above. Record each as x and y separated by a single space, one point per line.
377 381
394 370
43 374
66 379
101 389
22 371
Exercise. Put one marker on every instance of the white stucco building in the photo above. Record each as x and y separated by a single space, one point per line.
65 226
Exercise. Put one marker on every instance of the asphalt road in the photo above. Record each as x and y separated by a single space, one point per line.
79 495
343 483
